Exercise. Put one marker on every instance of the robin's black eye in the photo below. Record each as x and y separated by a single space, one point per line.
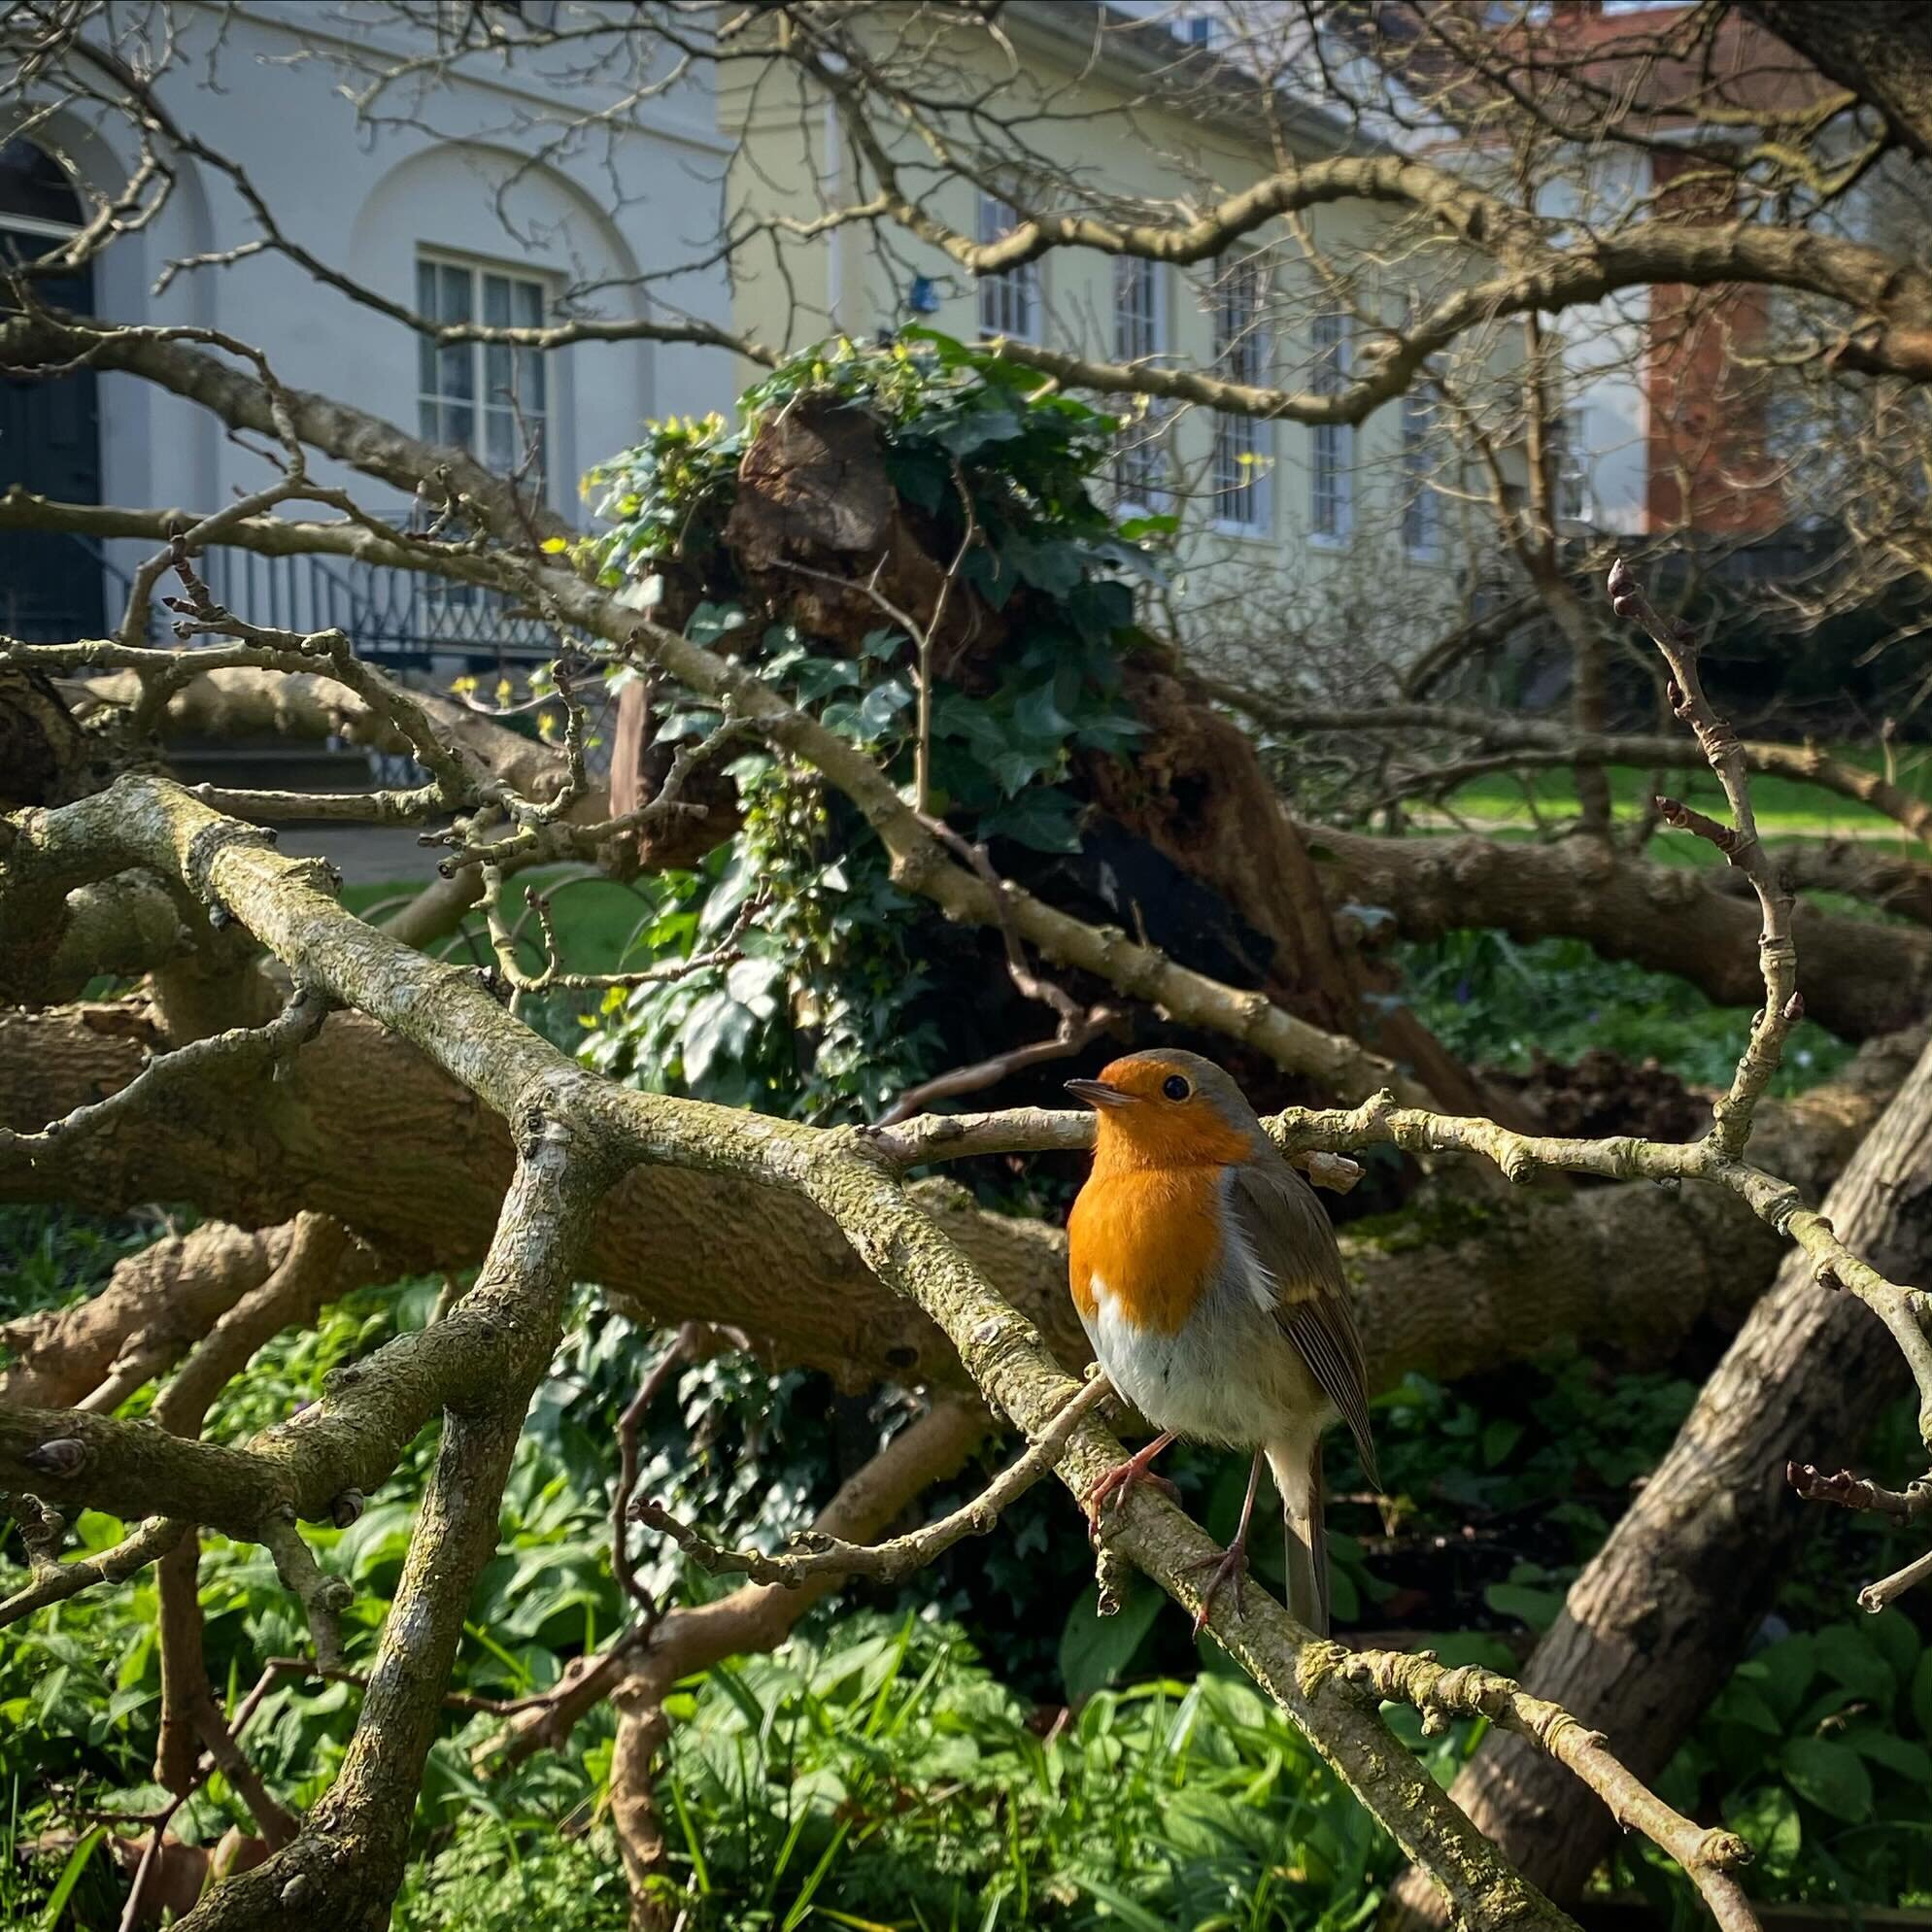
1175 1088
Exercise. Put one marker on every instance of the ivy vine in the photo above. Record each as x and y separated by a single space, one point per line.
836 1002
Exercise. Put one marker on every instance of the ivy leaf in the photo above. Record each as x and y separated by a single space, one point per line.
995 581
972 430
1036 715
754 982
1045 820
1099 606
920 475
814 678
710 622
882 644
688 725
716 1032
1015 768
882 705
1112 732
1055 567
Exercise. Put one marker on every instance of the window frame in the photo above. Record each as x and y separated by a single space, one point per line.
1331 445
1241 347
1141 473
431 360
1011 287
1570 474
1419 499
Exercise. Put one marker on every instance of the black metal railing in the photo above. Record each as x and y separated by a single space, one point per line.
405 618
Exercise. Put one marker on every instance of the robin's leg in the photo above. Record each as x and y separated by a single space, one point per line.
1232 1565
1128 1475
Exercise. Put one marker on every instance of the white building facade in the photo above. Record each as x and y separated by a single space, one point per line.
449 198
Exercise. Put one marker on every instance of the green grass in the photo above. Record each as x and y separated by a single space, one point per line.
1784 806
595 917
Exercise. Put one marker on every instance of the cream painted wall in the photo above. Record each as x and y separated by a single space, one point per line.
369 203
1276 576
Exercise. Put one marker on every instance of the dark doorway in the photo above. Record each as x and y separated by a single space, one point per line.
50 432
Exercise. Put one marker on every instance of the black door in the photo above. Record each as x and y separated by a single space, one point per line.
51 443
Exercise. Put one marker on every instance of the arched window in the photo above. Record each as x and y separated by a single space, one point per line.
36 195
50 587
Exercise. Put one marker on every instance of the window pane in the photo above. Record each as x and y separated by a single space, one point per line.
425 288
460 425
426 365
529 304
456 370
455 288
1136 318
529 382
499 450
1009 303
496 371
428 424
496 300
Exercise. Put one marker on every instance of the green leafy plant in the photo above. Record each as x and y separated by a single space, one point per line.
834 1006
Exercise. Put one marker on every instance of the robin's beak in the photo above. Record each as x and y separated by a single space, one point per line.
1098 1094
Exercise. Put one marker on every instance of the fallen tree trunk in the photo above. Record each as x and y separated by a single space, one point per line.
1858 977
156 1306
1656 1623
673 1245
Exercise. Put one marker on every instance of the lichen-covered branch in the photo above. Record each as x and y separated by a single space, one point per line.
1708 1857
231 1058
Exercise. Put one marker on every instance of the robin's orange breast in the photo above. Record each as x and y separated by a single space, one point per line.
1153 1235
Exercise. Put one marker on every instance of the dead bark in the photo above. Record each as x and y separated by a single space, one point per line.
1655 1623
1197 792
673 1245
156 1306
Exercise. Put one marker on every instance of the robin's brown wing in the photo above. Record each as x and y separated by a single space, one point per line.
1283 1224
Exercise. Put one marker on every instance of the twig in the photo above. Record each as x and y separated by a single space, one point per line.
242 1051
1414 1678
959 1136
1778 955
322 1597
821 1555
1077 1024
541 835
667 1363
1853 1492
55 1583
1874 1597
552 978
455 1700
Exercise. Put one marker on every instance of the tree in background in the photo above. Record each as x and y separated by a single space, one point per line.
881 638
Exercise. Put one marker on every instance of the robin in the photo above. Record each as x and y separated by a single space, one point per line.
1208 1282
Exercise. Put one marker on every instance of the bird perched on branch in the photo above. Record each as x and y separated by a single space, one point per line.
1208 1282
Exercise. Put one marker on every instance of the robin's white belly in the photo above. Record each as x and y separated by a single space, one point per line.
1229 1374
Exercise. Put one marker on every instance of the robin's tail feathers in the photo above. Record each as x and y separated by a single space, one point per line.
1297 1468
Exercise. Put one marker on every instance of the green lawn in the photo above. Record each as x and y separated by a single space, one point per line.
1786 808
595 917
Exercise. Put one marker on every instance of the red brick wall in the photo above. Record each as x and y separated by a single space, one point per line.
1708 469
